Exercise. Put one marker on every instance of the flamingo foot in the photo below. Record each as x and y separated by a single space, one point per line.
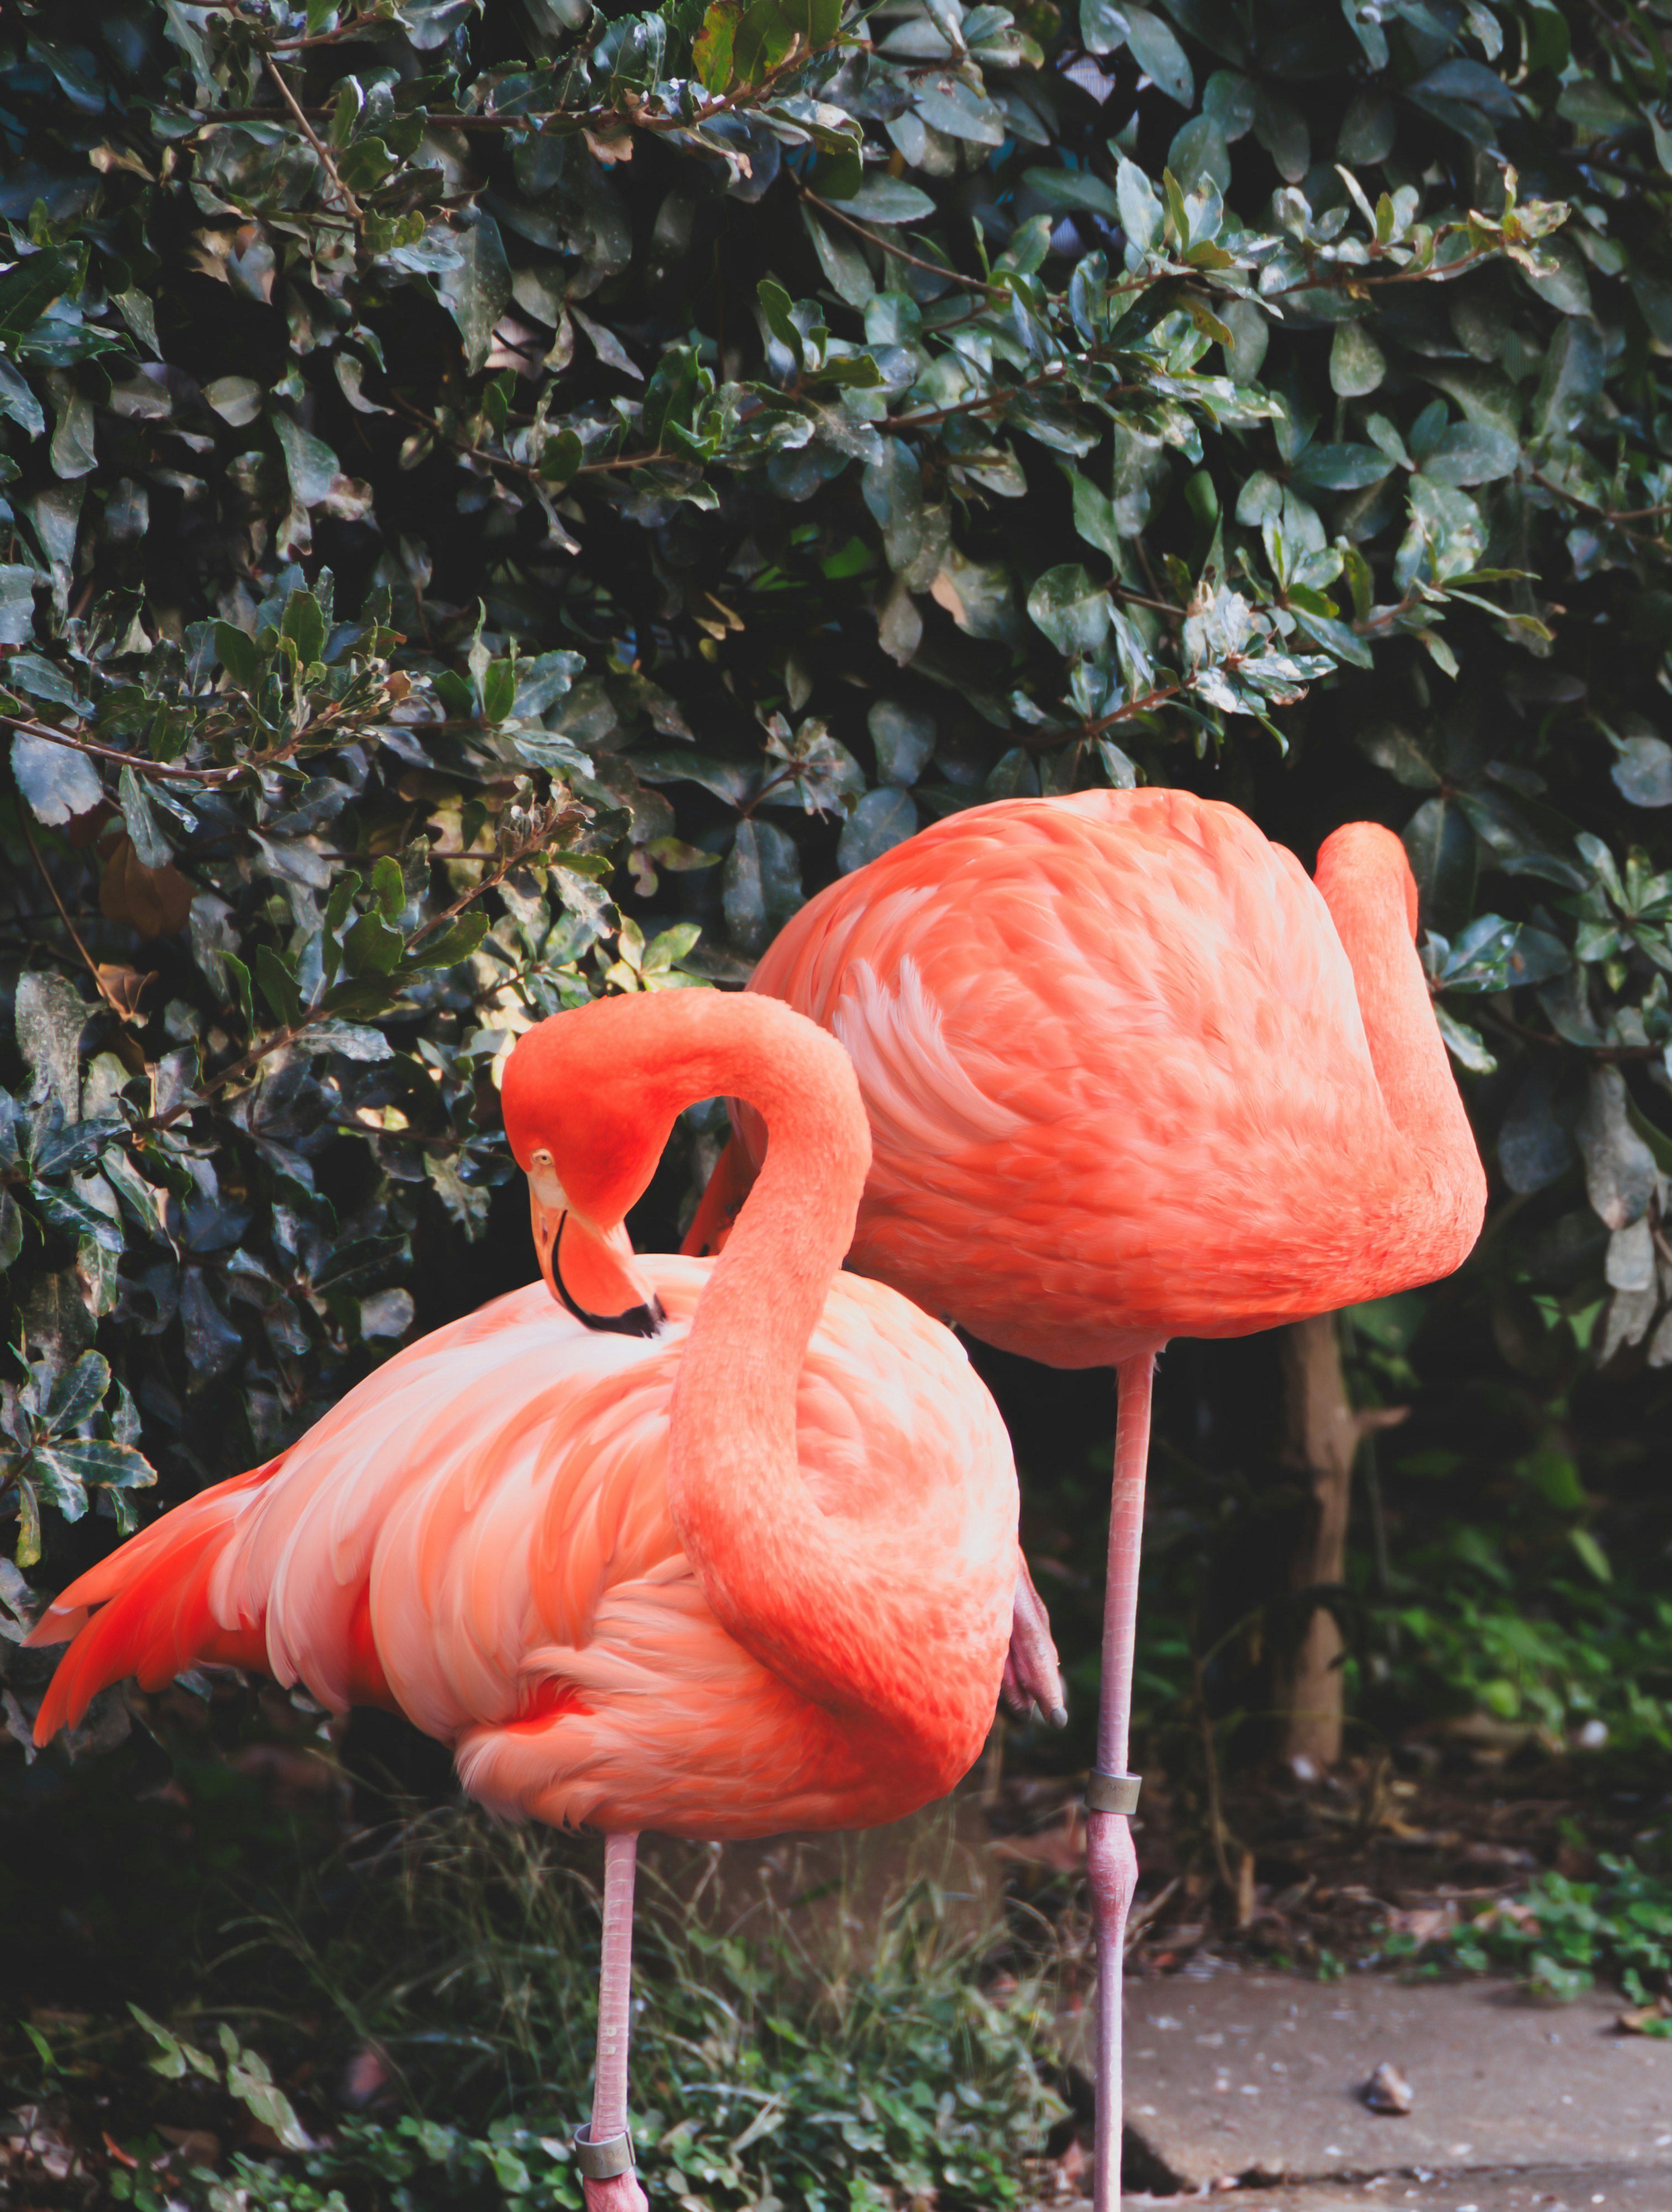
1032 1676
620 2193
1111 1869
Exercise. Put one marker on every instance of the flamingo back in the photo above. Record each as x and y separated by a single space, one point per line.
1119 1083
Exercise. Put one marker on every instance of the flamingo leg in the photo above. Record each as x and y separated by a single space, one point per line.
618 2192
1111 1862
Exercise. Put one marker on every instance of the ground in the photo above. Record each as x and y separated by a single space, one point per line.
1271 1974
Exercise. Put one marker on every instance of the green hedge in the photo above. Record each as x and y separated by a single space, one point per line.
501 502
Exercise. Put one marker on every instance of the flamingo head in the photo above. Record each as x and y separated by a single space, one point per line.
588 1156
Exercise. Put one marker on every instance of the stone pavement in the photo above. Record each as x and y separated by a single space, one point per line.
1516 2106
1537 2189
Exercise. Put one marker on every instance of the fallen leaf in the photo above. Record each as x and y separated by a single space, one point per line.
367 2072
198 2144
1061 1847
155 901
616 148
122 987
1428 1924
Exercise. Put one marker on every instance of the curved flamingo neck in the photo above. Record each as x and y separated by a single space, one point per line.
1367 883
796 1588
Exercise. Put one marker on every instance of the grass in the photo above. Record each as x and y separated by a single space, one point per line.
837 2045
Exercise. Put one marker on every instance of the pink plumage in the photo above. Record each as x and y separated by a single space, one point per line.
482 1533
1118 1079
495 1500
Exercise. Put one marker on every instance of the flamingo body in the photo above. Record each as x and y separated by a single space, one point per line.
1120 1087
480 1535
720 1547
1130 1075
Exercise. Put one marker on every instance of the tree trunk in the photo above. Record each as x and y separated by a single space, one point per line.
1322 1440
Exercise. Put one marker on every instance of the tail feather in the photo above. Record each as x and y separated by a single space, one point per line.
732 1180
155 1617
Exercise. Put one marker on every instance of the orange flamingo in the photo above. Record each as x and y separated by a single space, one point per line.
726 1548
1130 1076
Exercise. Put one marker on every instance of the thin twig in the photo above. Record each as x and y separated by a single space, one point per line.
315 140
362 27
165 768
914 260
508 862
1615 519
104 991
1349 274
1133 708
252 1059
986 405
112 752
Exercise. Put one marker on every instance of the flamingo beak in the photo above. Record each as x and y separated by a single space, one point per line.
589 1271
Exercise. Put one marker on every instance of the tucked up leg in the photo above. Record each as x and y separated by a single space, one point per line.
1032 1676
603 2148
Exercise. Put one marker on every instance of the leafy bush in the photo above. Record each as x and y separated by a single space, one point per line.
1560 1935
500 507
766 2040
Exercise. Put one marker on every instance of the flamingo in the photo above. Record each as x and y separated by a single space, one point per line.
715 1547
1130 1076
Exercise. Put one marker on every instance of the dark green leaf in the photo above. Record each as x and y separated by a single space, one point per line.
278 987
304 625
499 689
1341 468
452 945
371 946
1159 55
236 652
1440 847
883 818
28 290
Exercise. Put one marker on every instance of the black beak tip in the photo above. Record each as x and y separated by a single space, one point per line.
637 1321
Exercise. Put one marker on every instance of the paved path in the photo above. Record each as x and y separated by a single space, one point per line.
1539 2189
1259 2075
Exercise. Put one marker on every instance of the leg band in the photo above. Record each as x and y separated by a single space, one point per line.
1112 1793
602 2161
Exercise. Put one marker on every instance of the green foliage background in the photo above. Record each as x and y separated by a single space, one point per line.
500 503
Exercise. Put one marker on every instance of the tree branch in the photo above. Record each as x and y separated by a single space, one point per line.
914 260
315 140
163 769
1614 519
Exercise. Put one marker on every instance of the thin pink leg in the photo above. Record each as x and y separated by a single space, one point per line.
1111 1862
621 2192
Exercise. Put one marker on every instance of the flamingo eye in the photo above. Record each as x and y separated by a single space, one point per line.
543 1181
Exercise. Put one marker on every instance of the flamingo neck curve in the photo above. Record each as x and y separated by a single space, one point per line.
1367 883
797 1588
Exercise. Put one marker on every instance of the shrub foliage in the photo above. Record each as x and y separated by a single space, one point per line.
500 503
